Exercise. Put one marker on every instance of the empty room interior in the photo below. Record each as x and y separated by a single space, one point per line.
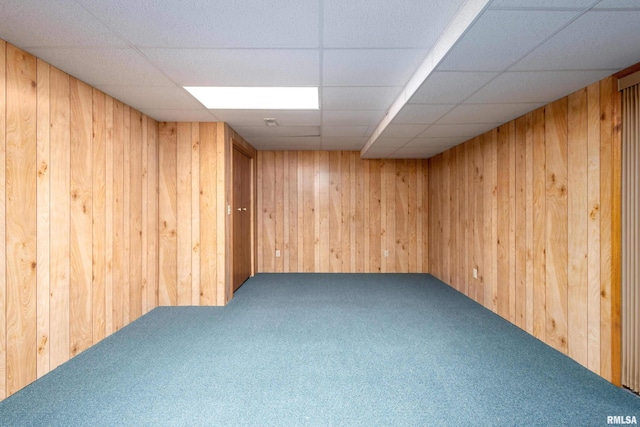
319 212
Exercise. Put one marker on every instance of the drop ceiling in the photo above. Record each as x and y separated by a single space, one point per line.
396 79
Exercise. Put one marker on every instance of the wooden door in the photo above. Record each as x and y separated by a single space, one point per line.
241 218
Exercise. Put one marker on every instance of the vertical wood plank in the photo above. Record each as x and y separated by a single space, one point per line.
195 214
126 230
21 219
577 233
412 215
345 211
512 221
606 198
301 206
167 207
539 226
323 211
491 212
504 171
118 216
529 222
316 213
109 210
183 213
98 187
426 268
3 217
335 212
224 151
294 226
286 213
446 219
268 161
208 213
152 271
593 301
556 224
43 214
80 256
358 224
479 236
279 211
616 236
135 234
401 191
520 212
309 209
144 215
375 209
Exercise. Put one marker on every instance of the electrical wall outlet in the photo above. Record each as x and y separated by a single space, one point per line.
475 273
386 253
277 253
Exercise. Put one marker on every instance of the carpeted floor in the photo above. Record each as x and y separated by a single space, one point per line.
320 349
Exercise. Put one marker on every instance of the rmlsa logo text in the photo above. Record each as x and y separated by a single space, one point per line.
622 419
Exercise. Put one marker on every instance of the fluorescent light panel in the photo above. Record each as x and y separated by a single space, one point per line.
256 98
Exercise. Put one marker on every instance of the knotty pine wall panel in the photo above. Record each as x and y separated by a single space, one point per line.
347 212
193 220
64 202
540 195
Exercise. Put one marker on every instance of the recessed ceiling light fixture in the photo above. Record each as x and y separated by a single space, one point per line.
256 98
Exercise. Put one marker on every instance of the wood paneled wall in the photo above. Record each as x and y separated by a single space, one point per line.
78 217
194 251
534 206
330 211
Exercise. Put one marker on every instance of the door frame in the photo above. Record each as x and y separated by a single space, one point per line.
237 142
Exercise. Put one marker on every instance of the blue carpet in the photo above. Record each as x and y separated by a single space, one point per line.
319 349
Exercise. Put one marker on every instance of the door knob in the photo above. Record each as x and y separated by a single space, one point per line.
239 209
244 209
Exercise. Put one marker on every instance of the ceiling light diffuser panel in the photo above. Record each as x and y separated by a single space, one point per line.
256 98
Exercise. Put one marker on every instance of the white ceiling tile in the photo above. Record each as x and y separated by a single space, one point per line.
238 67
358 98
210 24
357 131
435 143
169 115
535 86
402 131
369 67
451 87
421 113
61 23
460 130
104 66
256 117
542 4
352 117
501 37
487 113
391 142
153 97
386 24
614 35
265 131
285 143
618 4
343 143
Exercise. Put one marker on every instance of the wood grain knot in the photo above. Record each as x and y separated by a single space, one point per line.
43 169
74 195
603 293
43 344
34 265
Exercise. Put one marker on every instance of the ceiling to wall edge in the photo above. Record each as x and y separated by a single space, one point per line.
462 21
